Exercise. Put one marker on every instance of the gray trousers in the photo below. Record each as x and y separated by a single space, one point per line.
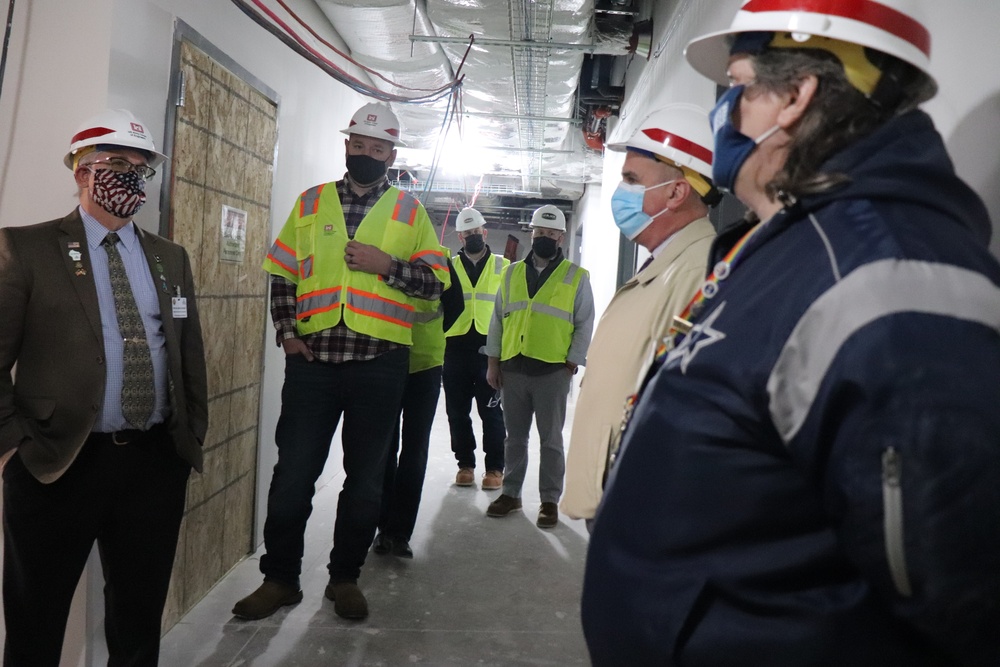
543 396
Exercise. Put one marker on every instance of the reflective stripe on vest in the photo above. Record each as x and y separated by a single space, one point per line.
309 201
284 257
319 301
425 317
379 307
479 298
539 327
432 258
406 208
306 268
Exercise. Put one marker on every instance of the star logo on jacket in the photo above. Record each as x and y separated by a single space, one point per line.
701 336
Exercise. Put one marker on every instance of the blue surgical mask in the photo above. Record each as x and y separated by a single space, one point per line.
626 207
732 148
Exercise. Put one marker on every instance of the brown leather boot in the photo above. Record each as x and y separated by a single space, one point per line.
348 600
492 480
269 598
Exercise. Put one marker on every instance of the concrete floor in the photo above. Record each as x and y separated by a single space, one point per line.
480 591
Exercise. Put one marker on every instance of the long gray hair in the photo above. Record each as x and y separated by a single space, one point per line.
837 116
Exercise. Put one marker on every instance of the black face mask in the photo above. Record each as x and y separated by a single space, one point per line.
544 247
474 243
365 170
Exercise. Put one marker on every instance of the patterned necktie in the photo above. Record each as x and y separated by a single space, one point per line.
138 393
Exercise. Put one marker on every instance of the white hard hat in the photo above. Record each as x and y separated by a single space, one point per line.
895 27
115 127
549 217
678 132
375 120
469 218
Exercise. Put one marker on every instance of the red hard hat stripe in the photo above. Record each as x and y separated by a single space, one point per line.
91 133
680 143
873 13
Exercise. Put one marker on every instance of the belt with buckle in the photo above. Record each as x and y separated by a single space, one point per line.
126 436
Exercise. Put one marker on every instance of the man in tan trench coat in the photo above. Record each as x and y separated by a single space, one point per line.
662 204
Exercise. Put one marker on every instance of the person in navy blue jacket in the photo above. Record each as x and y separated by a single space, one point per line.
811 475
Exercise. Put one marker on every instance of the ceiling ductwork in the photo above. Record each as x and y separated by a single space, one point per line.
540 80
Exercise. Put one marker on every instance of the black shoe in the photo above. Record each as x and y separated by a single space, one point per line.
503 505
402 548
382 544
548 515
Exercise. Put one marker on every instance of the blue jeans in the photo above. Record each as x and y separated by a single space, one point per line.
314 396
465 379
404 476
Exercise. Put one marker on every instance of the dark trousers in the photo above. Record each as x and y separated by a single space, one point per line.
464 380
130 499
313 398
404 476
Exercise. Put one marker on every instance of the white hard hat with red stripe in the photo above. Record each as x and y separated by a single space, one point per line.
678 132
894 27
114 127
375 120
469 218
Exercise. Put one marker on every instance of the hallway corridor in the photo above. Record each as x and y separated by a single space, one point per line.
479 591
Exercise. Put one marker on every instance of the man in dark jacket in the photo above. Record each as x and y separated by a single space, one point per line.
810 477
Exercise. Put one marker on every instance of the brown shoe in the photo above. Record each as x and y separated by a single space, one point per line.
503 506
348 600
548 515
269 598
492 480
465 477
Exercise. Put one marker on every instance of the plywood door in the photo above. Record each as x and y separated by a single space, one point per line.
223 154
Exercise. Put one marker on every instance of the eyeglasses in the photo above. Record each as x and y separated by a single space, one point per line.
122 166
495 400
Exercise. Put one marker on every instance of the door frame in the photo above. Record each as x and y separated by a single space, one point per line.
175 97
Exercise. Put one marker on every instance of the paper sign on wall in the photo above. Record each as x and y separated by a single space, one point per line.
234 235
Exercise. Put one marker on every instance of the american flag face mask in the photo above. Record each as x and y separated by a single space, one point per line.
120 194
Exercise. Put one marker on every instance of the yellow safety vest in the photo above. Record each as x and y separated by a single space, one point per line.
479 299
540 327
428 335
309 252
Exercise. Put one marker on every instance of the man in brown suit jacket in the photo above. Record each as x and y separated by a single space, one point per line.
84 466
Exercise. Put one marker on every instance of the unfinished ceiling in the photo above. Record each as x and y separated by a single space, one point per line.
539 81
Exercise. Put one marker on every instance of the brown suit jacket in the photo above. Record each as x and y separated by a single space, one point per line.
50 326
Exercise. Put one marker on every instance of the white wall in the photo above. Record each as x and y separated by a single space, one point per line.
69 60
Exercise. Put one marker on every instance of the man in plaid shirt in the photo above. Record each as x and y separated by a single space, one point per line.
345 271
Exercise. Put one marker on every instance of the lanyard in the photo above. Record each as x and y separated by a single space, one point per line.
682 325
